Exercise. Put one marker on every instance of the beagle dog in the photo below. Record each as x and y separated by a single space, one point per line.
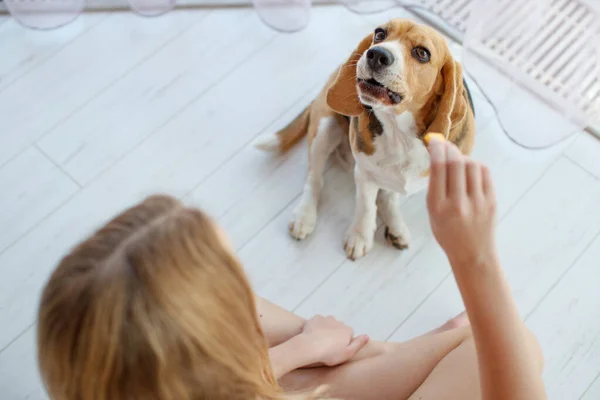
400 83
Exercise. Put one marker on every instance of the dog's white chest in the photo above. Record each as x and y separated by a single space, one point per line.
400 160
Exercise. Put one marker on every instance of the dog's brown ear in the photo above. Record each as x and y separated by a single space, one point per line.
342 96
453 106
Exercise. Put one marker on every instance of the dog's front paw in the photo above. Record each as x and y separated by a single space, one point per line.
304 223
399 239
357 245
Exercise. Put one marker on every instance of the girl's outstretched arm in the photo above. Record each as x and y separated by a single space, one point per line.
462 208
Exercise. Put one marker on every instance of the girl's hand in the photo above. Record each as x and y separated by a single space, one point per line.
332 341
462 205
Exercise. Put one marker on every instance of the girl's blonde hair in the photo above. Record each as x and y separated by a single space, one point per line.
153 306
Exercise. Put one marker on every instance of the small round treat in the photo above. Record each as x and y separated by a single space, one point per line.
427 138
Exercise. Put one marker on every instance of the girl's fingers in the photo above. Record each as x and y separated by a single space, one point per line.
456 174
474 178
487 182
355 345
437 179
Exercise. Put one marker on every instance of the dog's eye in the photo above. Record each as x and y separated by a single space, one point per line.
380 35
421 54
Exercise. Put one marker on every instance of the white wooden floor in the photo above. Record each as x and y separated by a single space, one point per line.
97 115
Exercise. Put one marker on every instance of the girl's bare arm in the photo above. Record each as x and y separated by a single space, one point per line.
278 324
461 203
295 342
508 364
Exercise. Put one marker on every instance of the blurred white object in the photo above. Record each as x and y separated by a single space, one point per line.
284 15
368 6
452 14
539 63
47 14
151 8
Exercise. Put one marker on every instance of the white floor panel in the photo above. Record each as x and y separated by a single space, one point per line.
567 324
32 187
29 48
46 95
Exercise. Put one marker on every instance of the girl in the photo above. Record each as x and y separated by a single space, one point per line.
155 305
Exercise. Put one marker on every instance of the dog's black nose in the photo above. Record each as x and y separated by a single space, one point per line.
379 58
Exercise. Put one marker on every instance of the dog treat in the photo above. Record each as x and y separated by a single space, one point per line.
431 135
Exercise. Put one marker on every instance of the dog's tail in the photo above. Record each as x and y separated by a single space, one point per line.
286 138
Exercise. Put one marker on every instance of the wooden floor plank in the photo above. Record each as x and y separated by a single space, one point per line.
149 96
19 377
32 187
51 92
567 324
29 48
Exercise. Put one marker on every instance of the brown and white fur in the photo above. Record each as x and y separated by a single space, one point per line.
400 83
